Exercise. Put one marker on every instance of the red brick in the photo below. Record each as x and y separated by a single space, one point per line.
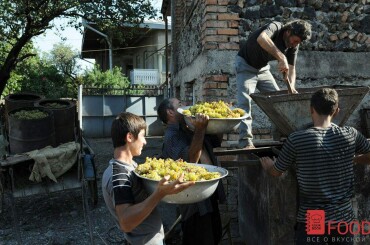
216 38
228 16
209 46
211 2
219 78
210 85
223 2
222 85
215 9
209 92
234 39
211 31
229 46
212 16
233 24
228 31
216 23
221 92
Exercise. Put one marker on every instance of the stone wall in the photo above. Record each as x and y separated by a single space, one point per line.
337 25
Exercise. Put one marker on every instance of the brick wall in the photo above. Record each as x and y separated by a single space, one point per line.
220 26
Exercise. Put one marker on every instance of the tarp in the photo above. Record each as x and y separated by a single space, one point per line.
53 162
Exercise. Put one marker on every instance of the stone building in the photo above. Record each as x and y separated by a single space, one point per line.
206 35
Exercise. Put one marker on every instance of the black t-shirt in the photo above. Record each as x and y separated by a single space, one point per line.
256 56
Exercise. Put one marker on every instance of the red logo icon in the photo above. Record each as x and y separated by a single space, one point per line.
315 222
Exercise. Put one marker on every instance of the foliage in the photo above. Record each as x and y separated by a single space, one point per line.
41 76
108 79
65 60
20 21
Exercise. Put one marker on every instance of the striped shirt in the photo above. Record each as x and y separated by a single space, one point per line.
121 186
126 186
323 158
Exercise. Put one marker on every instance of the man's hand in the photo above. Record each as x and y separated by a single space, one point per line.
291 89
268 165
200 121
168 188
283 65
267 162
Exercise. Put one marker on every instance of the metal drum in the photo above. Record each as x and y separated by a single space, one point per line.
19 100
30 134
64 112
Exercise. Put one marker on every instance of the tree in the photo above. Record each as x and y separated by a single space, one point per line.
21 20
65 59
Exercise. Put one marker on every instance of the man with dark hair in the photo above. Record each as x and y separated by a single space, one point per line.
132 208
323 157
270 42
201 222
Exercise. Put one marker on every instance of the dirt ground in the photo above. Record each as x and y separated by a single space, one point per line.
59 217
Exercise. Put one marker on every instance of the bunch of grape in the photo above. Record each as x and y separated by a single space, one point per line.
156 169
30 114
218 109
55 105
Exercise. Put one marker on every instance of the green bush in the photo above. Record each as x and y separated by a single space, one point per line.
108 79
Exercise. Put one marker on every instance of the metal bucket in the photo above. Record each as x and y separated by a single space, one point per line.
290 112
30 134
64 118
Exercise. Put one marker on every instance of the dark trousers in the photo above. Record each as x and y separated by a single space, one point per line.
302 238
203 230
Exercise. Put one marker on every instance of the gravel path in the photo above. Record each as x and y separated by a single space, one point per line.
59 218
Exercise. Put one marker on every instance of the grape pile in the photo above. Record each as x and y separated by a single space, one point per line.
30 114
218 109
156 169
55 105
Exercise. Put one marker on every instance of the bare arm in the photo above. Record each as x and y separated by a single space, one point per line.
290 78
132 215
195 150
267 44
362 159
292 75
268 165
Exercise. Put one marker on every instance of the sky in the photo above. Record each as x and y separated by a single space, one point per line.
71 36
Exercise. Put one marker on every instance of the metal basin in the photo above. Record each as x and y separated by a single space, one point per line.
196 193
216 125
290 112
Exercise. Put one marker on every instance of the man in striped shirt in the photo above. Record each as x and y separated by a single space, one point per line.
323 156
133 209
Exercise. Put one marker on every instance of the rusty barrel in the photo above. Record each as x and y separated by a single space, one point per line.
27 134
64 112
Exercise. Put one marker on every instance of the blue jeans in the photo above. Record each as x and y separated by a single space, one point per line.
248 79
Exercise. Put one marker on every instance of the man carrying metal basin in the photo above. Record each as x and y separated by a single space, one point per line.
201 222
323 156
132 208
273 41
